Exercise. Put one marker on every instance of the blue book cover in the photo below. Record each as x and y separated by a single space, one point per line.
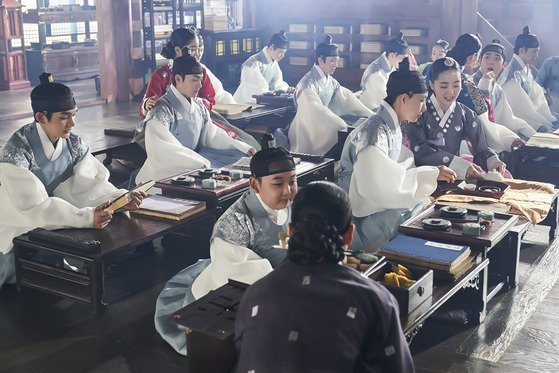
425 250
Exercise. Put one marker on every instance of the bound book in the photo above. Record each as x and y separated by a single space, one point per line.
169 208
123 200
231 109
430 254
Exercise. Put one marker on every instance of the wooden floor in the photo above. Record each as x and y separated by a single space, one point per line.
44 333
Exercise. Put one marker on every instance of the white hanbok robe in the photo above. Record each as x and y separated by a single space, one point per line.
384 186
259 74
241 249
373 82
320 102
175 130
502 111
25 202
526 97
221 95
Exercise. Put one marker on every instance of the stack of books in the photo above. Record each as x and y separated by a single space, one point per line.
169 208
448 262
215 22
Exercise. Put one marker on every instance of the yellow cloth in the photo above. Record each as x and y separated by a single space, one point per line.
529 198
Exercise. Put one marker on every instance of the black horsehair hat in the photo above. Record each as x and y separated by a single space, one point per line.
51 97
326 48
397 45
279 40
404 80
271 160
526 40
496 47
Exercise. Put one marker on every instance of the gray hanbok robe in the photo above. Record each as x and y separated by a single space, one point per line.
373 82
384 186
259 74
548 78
59 190
502 112
241 249
525 95
320 102
435 138
178 136
321 318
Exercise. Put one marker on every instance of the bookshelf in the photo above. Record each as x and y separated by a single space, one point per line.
61 39
13 66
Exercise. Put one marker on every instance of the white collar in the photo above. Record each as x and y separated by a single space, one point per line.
525 68
183 100
323 76
267 54
279 217
52 153
392 113
442 116
383 55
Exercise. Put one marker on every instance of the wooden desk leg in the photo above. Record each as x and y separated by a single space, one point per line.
108 158
511 251
475 293
97 278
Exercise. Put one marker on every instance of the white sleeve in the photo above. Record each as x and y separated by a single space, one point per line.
216 138
166 156
503 114
378 183
540 102
229 261
252 83
374 92
277 83
314 129
89 186
344 102
499 137
26 205
522 105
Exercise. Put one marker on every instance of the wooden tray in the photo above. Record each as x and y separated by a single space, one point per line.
489 237
444 187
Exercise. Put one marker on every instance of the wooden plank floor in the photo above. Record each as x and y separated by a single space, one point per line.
43 333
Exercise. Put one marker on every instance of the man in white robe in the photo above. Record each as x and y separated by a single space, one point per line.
493 59
548 78
244 246
261 73
48 177
321 101
525 95
375 76
384 186
178 134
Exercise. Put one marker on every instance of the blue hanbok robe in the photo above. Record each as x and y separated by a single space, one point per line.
384 186
48 186
241 249
320 102
548 78
373 82
179 136
502 112
259 74
319 318
526 96
435 138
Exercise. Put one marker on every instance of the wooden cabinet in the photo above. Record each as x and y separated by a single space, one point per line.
61 40
13 73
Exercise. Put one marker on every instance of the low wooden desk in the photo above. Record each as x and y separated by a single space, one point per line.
537 163
227 193
262 120
281 100
124 232
498 242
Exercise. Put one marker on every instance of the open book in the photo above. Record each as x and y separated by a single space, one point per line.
169 208
123 200
231 109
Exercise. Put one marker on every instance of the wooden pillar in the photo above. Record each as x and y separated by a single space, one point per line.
115 42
